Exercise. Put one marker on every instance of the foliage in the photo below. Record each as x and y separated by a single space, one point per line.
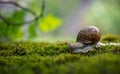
54 58
16 17
32 31
11 30
49 23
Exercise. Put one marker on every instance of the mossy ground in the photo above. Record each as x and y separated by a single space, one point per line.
54 58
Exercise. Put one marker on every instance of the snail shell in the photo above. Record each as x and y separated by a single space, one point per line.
89 35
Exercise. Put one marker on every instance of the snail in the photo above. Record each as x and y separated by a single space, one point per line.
89 35
87 38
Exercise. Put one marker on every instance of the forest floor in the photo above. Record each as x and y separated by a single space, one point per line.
54 58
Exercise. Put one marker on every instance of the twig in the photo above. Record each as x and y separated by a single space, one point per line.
39 16
18 5
25 9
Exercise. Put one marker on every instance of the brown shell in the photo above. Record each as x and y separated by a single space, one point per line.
89 35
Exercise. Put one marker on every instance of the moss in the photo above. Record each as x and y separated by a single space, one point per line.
111 38
54 58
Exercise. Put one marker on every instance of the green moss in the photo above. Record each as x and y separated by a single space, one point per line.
111 38
54 58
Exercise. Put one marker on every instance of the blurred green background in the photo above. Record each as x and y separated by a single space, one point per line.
62 19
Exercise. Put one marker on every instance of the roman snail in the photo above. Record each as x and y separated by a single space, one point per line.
89 35
87 38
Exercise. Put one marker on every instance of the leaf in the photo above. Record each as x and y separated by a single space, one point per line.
17 17
3 28
32 31
50 23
